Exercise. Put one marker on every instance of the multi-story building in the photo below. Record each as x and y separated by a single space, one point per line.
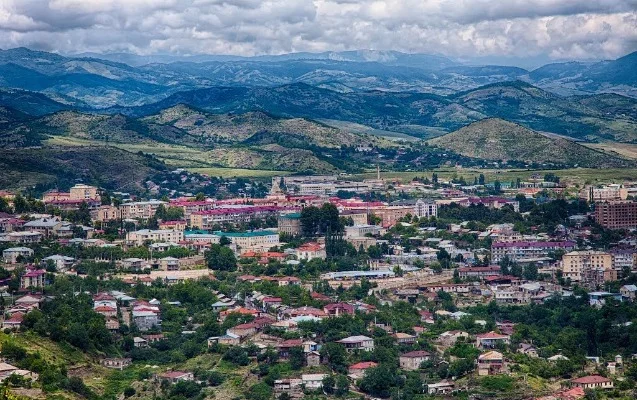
253 239
231 214
624 259
425 208
138 238
83 192
35 279
581 266
106 213
190 207
616 214
606 193
289 224
524 251
140 209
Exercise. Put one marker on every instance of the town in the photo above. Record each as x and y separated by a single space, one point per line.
324 286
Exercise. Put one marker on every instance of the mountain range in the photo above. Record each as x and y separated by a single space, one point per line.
107 80
307 112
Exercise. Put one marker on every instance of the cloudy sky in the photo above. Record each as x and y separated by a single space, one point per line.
557 29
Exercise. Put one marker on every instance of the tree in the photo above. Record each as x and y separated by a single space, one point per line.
530 272
378 381
329 384
200 197
342 386
481 179
297 358
260 391
336 356
497 187
221 258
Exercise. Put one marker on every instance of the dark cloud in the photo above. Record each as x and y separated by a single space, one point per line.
460 28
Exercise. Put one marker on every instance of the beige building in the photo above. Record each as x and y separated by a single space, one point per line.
138 238
606 193
576 265
83 192
140 209
289 224
252 240
413 360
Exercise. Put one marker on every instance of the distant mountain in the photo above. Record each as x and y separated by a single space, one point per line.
496 139
127 80
30 102
616 76
411 113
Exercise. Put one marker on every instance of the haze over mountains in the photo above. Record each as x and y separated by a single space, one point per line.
102 82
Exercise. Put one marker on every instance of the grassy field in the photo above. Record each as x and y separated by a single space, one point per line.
238 172
195 161
626 150
574 175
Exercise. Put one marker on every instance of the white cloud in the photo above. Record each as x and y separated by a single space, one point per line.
460 28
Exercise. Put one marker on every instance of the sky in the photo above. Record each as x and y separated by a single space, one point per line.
486 29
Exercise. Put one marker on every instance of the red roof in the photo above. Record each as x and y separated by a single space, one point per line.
492 335
291 343
319 296
104 309
173 374
364 365
586 380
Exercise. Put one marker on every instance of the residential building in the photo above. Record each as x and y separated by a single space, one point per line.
140 237
525 251
478 272
491 363
616 214
23 237
592 382
309 251
578 265
491 340
13 254
404 338
355 343
62 263
440 388
412 360
313 381
252 240
177 376
629 292
83 192
116 363
146 320
140 209
528 349
45 226
289 224
606 193
357 370
425 208
34 279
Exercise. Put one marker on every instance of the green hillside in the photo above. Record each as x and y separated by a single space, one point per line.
496 139
106 167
